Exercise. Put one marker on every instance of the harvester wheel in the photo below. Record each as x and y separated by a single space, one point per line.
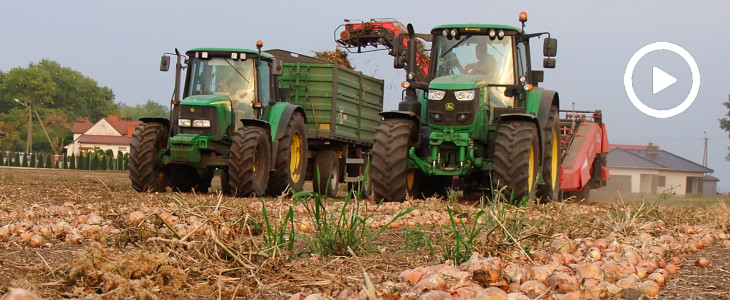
390 158
147 142
328 166
291 158
516 160
550 191
249 162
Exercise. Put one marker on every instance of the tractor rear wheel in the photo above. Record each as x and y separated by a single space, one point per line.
291 158
225 184
516 160
249 162
183 178
327 173
147 142
390 159
421 186
550 190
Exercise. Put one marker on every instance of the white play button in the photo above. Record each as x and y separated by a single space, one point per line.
661 80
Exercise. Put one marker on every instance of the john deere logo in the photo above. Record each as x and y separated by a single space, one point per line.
449 106
192 109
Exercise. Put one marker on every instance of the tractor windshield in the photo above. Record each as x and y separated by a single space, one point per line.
475 55
224 77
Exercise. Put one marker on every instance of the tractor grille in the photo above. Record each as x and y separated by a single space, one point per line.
451 112
194 112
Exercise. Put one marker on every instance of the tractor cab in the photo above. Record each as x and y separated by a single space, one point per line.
476 62
224 80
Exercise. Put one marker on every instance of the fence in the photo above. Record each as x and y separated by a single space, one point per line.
92 160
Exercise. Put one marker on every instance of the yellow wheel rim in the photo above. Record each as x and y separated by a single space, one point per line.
531 170
295 156
554 162
410 178
255 154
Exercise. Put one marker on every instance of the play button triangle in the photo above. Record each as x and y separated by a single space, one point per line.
661 80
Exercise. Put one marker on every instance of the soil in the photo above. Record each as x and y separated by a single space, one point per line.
147 260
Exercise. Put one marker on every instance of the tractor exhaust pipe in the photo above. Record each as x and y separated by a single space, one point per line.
410 100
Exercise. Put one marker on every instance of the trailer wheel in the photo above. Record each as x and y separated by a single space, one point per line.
291 158
328 166
390 159
249 162
516 160
550 191
147 142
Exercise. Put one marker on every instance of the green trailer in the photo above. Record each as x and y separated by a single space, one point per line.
266 121
342 108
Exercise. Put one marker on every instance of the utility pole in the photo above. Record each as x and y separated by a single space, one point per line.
704 156
29 147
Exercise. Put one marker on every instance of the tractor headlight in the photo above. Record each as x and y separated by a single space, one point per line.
436 95
183 122
464 95
201 123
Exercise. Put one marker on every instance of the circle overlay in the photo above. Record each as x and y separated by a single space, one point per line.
629 84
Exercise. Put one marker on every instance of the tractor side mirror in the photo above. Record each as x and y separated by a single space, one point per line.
536 76
550 47
284 94
548 63
165 63
277 67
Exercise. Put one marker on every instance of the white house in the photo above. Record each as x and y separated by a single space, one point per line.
109 133
649 170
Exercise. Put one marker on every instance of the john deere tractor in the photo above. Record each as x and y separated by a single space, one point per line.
228 119
478 122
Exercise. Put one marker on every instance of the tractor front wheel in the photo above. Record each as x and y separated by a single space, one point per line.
291 158
550 190
144 171
249 162
516 160
390 160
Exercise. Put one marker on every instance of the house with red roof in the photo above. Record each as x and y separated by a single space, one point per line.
646 169
109 133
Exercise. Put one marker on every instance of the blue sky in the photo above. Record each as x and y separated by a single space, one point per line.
119 43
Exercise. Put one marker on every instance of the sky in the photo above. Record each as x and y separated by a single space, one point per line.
119 44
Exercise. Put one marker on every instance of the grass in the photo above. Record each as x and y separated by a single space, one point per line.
336 230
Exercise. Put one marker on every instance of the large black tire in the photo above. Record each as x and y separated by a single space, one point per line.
550 190
328 166
182 178
249 162
516 160
420 186
147 142
205 181
390 158
291 158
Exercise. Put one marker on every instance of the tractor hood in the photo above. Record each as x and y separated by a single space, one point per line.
207 100
457 82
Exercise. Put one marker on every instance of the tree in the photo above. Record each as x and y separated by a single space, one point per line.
725 124
60 95
149 109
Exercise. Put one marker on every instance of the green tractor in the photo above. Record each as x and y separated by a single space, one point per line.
228 119
479 121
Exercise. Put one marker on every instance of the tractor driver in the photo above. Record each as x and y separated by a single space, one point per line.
485 65
241 94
